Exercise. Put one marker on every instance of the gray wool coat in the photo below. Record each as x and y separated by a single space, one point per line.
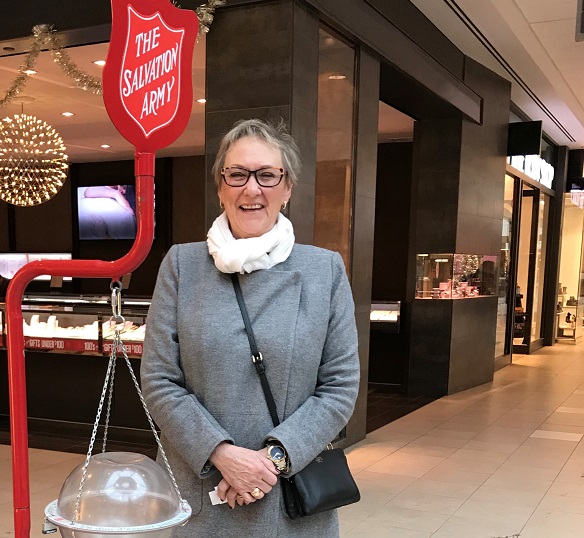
202 388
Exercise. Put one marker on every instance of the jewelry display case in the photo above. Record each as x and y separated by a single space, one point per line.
385 345
455 276
386 316
78 324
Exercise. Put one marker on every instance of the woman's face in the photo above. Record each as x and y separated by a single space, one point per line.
253 210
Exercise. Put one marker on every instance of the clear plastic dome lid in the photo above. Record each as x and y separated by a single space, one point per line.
121 490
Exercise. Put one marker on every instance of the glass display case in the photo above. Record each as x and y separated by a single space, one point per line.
78 324
455 276
11 263
386 315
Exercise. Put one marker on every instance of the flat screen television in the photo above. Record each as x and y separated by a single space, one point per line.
106 212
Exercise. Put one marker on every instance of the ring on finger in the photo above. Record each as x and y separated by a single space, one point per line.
256 493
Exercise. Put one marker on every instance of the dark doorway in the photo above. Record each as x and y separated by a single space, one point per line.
388 350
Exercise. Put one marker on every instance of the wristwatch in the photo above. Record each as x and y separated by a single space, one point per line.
277 455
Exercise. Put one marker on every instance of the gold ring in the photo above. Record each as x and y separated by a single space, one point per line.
255 493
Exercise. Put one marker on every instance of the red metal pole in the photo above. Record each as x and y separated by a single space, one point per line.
144 169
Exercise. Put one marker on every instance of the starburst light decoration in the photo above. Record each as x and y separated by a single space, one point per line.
33 163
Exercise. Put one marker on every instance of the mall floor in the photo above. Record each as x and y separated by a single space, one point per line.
504 460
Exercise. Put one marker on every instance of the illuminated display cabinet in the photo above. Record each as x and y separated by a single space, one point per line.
455 276
78 324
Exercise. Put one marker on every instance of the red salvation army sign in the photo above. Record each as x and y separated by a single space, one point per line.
147 78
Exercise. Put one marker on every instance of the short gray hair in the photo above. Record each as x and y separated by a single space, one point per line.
274 135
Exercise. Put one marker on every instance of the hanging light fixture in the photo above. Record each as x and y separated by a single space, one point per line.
33 163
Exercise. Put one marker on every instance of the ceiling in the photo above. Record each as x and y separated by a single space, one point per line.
50 92
529 42
532 44
393 125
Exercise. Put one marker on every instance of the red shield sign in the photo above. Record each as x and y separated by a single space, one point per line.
147 82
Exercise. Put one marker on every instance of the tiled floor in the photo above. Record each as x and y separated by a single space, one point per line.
384 407
502 460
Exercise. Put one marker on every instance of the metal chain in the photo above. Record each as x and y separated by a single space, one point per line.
94 433
118 343
109 406
115 286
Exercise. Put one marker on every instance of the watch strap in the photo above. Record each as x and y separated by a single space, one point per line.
281 465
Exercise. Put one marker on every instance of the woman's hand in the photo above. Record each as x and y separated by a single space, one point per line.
232 497
243 470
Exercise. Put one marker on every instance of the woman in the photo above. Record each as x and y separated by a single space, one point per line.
197 375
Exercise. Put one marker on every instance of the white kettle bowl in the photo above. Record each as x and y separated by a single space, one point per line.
125 495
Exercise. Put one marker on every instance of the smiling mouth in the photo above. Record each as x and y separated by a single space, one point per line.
251 207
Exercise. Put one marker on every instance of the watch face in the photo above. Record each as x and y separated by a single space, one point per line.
276 453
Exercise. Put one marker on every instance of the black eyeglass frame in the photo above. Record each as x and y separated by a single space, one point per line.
254 172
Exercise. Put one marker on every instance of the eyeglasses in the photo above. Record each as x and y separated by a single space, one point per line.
236 176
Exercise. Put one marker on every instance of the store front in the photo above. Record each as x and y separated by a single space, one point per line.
323 69
569 325
525 272
532 209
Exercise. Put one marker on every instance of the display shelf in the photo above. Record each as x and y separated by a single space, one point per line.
386 315
567 331
78 325
455 276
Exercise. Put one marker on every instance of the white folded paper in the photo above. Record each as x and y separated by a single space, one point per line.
215 497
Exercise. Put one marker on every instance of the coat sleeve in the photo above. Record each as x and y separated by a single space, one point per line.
188 426
307 431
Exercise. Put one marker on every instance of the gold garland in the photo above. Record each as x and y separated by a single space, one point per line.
205 14
45 37
48 35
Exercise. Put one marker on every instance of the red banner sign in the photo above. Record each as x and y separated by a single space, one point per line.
147 79
74 345
131 348
59 344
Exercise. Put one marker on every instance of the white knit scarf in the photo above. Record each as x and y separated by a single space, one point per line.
246 255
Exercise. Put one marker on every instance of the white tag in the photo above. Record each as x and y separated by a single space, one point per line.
215 497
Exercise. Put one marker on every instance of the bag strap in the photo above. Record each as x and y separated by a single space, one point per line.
256 356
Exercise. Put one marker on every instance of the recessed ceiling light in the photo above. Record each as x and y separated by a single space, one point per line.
30 72
101 63
105 146
337 77
201 100
68 114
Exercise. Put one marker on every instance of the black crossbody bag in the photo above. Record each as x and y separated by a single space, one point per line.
326 482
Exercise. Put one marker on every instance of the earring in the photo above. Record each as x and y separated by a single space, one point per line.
221 205
285 204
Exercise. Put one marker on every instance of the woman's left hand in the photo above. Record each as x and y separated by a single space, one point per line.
244 470
232 496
